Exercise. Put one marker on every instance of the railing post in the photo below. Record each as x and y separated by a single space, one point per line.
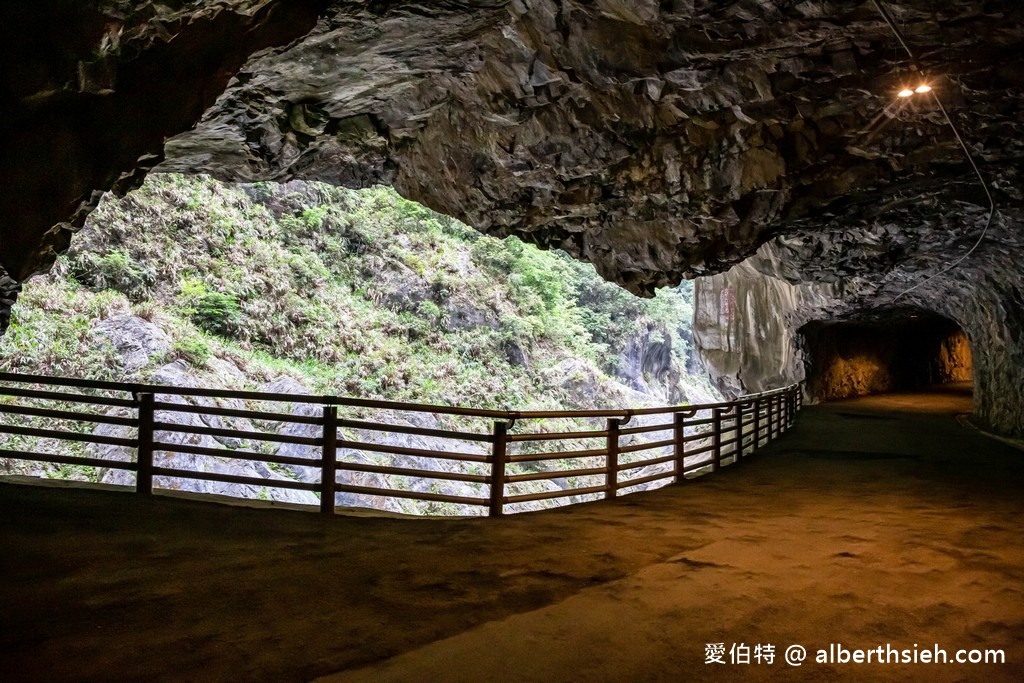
780 418
329 460
739 432
498 450
757 425
144 453
771 420
680 447
611 474
716 438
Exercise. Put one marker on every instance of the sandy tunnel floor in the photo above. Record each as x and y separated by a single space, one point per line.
874 522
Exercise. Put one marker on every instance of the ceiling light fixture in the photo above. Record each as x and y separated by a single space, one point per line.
922 89
919 90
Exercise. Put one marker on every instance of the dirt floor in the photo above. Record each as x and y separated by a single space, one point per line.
875 522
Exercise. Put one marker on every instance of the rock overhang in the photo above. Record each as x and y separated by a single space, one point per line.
659 140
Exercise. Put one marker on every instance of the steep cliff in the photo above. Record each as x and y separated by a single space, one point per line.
745 324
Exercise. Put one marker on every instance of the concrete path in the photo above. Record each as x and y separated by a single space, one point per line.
874 523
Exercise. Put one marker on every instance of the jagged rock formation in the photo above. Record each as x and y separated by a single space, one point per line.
647 365
655 139
135 340
744 326
658 140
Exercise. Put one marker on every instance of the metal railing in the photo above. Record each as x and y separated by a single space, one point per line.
491 461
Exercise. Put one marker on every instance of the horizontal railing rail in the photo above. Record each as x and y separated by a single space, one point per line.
494 461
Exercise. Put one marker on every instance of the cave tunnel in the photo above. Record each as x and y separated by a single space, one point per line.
903 350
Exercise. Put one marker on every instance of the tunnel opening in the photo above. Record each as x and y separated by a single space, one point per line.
902 350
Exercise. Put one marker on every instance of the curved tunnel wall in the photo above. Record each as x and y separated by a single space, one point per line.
856 359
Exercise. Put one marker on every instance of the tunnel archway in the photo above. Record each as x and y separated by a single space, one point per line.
894 351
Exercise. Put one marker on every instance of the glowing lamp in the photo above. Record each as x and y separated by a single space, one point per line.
923 88
906 92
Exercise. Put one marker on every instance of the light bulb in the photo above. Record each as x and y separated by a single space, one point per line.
906 92
923 88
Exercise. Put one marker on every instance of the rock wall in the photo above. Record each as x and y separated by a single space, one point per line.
745 321
9 289
647 365
92 89
953 361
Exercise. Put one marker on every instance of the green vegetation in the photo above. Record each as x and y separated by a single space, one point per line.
351 293
358 293
51 330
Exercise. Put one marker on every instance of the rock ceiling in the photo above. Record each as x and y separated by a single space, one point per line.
657 139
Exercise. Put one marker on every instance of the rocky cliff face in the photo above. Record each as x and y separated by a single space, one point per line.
93 88
745 321
659 140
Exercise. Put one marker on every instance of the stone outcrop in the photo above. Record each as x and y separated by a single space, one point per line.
658 140
9 289
135 340
647 365
744 325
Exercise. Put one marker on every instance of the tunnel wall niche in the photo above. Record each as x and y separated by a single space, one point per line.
857 359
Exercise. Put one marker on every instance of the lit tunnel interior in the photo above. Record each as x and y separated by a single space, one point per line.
896 351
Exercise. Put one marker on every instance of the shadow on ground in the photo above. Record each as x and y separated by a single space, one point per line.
875 521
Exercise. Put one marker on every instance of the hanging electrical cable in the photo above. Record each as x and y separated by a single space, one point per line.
924 88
